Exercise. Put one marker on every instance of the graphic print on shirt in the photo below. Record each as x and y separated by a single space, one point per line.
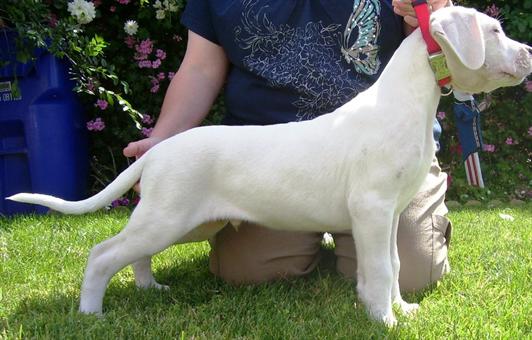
310 57
363 52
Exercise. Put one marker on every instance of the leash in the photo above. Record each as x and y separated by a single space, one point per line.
436 57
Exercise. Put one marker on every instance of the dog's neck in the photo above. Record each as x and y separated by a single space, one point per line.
407 88
409 68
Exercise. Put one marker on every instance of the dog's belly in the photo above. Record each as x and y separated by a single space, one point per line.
287 216
294 206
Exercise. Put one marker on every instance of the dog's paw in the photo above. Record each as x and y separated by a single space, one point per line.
152 285
160 286
155 285
389 320
91 311
407 308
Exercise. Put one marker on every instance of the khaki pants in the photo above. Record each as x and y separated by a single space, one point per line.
256 254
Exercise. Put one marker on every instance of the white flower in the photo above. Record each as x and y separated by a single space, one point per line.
163 7
131 27
173 8
506 217
84 11
160 14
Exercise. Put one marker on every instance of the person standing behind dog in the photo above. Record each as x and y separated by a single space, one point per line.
284 61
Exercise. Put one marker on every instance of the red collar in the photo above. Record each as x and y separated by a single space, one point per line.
436 57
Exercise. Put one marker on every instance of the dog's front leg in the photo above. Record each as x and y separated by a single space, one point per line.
406 308
372 219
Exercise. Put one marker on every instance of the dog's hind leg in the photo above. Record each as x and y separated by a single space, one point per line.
397 299
372 219
96 278
141 239
144 275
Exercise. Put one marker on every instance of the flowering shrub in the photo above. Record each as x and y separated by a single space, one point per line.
506 124
125 52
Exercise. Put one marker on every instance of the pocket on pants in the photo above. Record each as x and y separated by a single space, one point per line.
441 237
443 227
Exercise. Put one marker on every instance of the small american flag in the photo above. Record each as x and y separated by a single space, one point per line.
473 172
467 115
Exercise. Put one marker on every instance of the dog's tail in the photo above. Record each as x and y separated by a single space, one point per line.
115 189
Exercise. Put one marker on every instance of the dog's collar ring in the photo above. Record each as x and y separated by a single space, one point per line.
446 90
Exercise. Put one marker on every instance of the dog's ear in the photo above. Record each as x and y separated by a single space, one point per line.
457 30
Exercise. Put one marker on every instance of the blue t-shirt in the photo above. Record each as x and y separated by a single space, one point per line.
294 60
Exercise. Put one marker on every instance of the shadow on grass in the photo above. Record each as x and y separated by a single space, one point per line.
321 305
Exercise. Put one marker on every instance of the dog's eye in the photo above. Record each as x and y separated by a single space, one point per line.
496 30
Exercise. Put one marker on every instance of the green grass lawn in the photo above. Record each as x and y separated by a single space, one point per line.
487 295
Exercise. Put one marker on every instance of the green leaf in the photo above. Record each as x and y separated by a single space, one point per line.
110 98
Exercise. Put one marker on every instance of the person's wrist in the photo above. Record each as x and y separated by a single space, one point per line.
160 132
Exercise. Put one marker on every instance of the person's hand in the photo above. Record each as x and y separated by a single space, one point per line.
404 8
139 148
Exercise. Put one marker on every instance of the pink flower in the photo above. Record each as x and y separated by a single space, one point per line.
160 54
509 141
147 119
441 115
493 11
145 47
144 64
140 56
528 86
456 149
97 2
171 75
156 63
488 147
530 131
177 38
123 2
102 104
155 89
130 41
146 132
161 76
96 125
112 8
120 202
90 85
52 21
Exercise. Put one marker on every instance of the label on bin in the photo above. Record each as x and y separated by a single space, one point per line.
6 92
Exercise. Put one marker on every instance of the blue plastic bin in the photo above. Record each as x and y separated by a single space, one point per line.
43 139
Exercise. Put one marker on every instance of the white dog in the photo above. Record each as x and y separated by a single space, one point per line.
356 168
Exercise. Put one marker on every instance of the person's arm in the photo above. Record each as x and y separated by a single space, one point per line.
190 94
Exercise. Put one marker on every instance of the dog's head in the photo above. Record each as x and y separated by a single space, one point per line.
479 55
